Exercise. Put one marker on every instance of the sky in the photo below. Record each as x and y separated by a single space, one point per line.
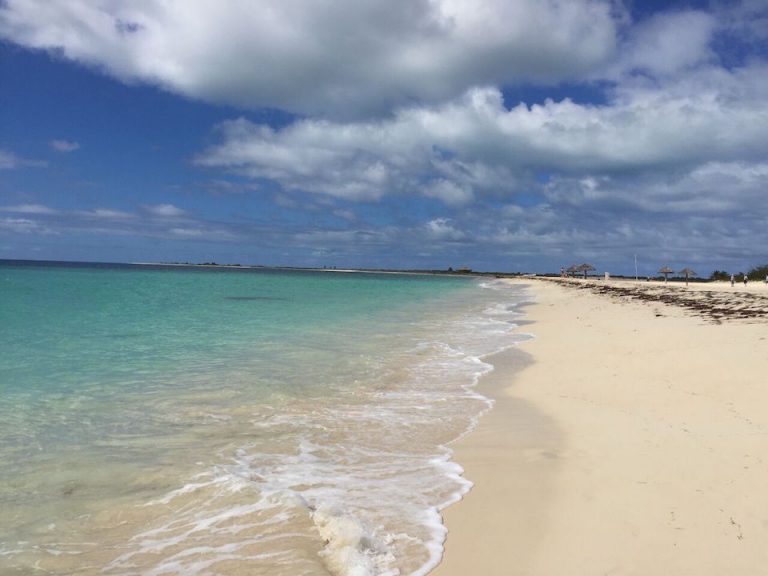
500 135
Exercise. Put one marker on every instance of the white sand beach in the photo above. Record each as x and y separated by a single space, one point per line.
634 440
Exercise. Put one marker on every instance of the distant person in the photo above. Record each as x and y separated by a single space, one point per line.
746 279
733 280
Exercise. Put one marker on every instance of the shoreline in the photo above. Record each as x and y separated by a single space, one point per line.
509 452
629 437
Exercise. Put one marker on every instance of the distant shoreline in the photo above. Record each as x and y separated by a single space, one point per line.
459 272
214 266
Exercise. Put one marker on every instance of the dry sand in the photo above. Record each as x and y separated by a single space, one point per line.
632 440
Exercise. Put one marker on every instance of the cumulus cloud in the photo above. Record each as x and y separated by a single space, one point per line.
443 229
721 189
669 169
449 191
64 145
668 43
474 144
340 59
746 21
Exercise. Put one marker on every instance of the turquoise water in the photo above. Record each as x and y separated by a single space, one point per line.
196 421
102 325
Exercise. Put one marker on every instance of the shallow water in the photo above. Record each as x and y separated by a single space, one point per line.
177 421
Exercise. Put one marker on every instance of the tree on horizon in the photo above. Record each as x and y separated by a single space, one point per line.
719 275
758 272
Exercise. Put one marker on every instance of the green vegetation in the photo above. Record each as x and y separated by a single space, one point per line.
758 272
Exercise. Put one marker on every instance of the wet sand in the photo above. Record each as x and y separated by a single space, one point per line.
630 437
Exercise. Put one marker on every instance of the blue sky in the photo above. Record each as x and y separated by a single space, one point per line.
496 134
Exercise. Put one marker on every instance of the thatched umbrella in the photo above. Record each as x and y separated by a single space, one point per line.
666 271
585 268
687 272
572 270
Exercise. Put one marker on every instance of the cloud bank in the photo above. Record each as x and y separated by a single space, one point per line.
345 58
476 145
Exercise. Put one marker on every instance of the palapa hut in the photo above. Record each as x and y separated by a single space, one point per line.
585 268
666 271
687 272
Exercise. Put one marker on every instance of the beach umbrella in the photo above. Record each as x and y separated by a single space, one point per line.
586 268
687 272
572 270
666 271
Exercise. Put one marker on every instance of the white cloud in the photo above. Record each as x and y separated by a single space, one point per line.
64 145
474 145
668 43
28 209
24 226
338 59
106 214
714 188
330 240
449 192
745 20
10 161
333 159
164 210
186 232
109 222
442 229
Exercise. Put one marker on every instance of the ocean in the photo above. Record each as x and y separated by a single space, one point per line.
196 421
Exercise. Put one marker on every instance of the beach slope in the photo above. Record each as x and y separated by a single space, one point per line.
629 438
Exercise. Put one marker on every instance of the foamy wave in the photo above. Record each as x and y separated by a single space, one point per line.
355 482
351 548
